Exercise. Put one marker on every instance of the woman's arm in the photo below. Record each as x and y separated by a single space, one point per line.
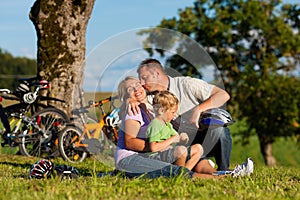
132 128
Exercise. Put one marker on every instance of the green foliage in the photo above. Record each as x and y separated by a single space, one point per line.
256 45
274 104
12 68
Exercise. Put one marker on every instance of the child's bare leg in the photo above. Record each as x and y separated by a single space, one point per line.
196 153
204 167
180 155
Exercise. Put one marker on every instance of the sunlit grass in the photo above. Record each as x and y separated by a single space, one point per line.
265 183
281 182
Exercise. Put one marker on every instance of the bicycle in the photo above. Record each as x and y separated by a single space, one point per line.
76 142
34 133
28 96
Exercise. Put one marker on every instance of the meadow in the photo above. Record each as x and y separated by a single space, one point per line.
280 182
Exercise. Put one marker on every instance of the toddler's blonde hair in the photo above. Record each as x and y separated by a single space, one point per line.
165 100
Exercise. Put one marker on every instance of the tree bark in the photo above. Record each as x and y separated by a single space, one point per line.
266 150
61 41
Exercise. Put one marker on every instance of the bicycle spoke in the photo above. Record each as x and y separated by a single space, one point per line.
66 144
42 142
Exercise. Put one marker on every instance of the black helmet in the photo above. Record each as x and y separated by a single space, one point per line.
22 88
65 171
41 169
216 117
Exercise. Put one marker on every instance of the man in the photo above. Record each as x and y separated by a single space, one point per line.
195 96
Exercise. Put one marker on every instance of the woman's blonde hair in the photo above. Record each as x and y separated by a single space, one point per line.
123 94
165 100
122 90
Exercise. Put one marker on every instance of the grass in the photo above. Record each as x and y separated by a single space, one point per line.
265 183
281 182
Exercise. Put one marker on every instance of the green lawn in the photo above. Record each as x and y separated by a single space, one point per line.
265 183
281 182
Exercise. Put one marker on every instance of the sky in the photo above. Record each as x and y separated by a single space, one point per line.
111 21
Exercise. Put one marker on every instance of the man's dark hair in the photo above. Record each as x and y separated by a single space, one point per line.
150 62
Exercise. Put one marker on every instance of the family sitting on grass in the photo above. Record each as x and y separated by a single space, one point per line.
152 147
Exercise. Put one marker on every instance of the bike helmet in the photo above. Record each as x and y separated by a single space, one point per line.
216 117
41 169
22 88
65 171
113 119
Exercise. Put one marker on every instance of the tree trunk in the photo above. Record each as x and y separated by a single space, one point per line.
266 150
61 29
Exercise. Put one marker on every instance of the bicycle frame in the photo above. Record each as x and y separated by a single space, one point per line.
20 113
16 124
96 127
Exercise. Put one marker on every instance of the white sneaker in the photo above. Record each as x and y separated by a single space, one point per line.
244 169
212 164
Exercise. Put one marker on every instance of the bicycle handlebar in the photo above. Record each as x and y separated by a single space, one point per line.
6 96
7 91
103 101
92 103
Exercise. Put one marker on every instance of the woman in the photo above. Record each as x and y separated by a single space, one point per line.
132 144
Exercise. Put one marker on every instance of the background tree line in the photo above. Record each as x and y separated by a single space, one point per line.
13 68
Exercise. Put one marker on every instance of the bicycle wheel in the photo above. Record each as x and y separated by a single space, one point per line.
66 144
102 139
107 146
107 140
107 149
10 136
40 137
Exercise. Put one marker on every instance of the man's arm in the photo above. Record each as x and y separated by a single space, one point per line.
217 98
132 107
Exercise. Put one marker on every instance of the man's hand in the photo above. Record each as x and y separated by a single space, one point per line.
194 120
133 107
217 98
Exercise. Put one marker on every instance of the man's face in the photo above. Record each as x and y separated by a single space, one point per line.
149 79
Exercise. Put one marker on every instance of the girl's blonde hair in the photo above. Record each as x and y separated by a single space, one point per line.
165 100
